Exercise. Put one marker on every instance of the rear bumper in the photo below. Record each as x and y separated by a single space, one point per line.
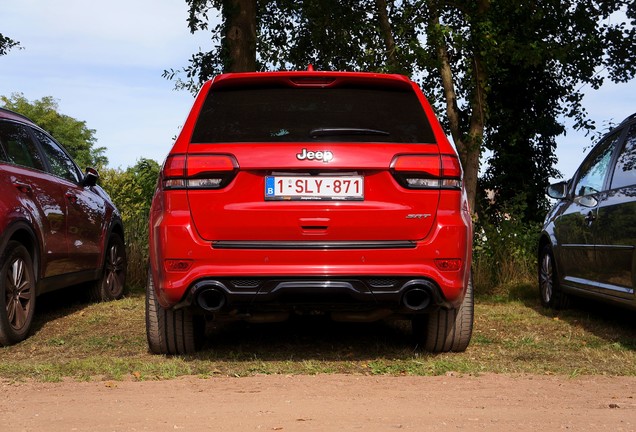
328 278
333 294
340 266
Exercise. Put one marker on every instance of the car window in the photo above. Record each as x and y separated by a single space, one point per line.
625 171
595 167
61 164
3 153
18 146
275 114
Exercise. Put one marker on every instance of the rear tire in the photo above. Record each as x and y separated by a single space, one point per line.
17 294
171 331
447 330
549 288
112 284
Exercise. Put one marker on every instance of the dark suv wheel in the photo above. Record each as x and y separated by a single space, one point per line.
171 331
17 293
447 330
112 284
549 289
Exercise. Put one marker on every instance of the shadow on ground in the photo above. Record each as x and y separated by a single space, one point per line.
59 304
606 321
309 338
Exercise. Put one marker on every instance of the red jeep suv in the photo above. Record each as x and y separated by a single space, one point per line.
333 193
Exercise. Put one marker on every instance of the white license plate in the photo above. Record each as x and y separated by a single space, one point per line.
314 188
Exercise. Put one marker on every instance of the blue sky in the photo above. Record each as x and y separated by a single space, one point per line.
103 61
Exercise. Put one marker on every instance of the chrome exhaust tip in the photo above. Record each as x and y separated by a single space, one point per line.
416 299
210 299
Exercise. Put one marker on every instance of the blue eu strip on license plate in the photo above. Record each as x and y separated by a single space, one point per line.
269 187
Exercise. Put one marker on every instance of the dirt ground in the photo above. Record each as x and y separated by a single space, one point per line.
324 403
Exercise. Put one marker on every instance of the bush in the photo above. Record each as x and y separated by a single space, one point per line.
505 252
132 191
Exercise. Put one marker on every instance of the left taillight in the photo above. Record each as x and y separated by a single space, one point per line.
427 171
198 171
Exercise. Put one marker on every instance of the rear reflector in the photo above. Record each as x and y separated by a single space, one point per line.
427 171
446 264
177 265
206 171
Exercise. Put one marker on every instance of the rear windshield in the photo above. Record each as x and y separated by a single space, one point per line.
312 114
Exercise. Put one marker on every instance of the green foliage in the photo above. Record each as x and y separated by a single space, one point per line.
73 134
6 43
522 138
330 34
542 54
203 64
505 250
131 191
517 68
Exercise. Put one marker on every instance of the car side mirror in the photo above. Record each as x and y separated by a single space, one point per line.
90 177
558 190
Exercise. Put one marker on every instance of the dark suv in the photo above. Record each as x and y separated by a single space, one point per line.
588 242
57 226
328 193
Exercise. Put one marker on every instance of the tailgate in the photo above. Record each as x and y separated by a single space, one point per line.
352 197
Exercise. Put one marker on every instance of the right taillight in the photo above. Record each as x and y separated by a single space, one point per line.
427 171
198 171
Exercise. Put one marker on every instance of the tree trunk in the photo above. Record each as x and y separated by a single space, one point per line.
240 36
468 144
387 34
472 144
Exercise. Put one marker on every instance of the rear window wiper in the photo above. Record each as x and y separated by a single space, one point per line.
323 132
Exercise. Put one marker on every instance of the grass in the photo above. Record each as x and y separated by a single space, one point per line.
513 334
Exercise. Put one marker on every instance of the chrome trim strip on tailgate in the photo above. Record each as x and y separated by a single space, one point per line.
335 245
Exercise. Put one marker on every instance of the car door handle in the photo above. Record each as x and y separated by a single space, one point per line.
71 197
22 187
